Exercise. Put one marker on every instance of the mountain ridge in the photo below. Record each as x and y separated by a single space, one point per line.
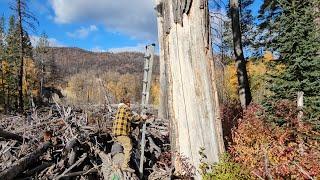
72 60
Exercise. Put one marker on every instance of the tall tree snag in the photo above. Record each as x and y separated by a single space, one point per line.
243 82
21 73
185 50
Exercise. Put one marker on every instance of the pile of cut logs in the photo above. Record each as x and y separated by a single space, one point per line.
70 143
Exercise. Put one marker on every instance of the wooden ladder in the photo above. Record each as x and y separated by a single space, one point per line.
147 76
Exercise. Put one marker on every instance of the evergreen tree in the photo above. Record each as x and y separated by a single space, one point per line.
268 16
12 54
298 43
2 59
246 23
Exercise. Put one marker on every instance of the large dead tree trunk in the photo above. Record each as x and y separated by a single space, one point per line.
243 82
163 106
185 50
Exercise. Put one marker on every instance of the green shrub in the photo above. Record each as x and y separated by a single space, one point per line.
225 169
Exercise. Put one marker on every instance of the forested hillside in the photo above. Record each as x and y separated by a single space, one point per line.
77 72
70 61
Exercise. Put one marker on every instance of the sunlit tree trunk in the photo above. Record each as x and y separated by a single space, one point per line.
243 82
163 104
185 50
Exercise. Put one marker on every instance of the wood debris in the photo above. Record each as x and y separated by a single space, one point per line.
71 143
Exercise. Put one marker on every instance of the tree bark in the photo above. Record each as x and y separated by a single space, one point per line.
185 50
163 105
243 82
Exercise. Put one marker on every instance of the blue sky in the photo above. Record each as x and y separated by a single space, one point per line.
96 25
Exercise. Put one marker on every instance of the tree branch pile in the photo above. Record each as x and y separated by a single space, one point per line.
71 143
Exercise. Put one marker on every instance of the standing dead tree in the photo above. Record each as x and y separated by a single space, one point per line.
185 50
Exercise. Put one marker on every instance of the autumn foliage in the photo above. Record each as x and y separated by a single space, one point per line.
257 71
270 151
90 87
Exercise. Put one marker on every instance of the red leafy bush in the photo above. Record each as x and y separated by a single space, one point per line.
270 151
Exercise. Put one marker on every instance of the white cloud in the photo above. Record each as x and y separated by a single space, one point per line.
135 18
137 48
82 32
52 41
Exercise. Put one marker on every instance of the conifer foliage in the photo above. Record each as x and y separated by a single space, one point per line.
16 51
298 44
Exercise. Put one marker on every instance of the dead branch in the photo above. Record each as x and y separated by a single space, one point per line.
8 135
24 163
84 156
69 132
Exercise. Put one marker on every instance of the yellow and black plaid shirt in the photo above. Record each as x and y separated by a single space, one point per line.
122 123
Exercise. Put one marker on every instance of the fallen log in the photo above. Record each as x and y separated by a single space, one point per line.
37 169
8 135
22 164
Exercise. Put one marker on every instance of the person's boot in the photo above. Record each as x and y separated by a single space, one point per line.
128 169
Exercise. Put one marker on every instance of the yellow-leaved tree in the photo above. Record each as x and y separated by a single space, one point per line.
257 71
30 85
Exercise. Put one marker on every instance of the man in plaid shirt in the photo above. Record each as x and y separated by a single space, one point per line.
122 128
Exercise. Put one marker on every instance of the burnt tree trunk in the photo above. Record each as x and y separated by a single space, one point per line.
20 83
243 82
185 50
